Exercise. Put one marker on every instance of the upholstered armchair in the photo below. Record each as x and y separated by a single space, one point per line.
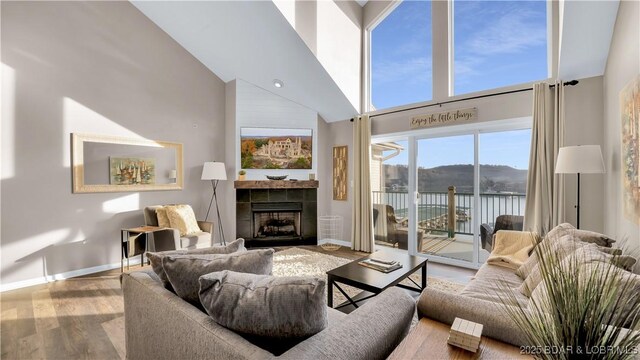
503 222
170 239
387 228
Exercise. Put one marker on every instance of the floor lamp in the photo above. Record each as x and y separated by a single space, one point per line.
215 171
584 159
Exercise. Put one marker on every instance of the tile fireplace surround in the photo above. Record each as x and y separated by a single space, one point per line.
277 212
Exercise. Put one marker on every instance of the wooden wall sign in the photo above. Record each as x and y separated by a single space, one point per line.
340 161
449 117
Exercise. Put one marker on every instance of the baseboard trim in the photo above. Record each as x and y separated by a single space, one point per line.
63 276
334 241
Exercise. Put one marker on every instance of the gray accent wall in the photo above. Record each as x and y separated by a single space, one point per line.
623 65
99 68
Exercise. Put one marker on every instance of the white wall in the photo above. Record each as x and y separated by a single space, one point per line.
257 107
338 134
332 31
623 65
92 67
584 126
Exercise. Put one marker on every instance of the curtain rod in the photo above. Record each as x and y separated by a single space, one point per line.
568 83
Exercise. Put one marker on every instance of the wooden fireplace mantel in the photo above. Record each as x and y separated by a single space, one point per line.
275 184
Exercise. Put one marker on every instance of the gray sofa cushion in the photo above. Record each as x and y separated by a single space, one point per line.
291 308
493 283
155 258
287 307
183 271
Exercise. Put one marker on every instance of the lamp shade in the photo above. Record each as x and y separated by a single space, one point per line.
584 159
214 171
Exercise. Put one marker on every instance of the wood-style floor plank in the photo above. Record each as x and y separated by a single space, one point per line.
79 318
8 332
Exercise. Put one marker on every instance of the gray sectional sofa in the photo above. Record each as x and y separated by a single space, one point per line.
480 301
160 325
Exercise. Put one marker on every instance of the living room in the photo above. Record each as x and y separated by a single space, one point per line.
343 81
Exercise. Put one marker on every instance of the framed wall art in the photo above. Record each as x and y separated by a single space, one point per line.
630 117
276 148
340 178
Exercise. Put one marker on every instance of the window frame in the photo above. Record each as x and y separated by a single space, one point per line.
443 52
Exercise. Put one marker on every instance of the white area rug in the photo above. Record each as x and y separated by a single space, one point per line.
296 262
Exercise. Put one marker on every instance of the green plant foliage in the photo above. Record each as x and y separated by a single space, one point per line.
271 165
246 161
580 315
300 163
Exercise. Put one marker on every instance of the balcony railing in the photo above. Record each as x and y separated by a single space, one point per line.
433 208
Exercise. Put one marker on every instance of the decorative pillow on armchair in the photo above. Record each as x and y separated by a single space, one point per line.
182 217
163 219
156 257
289 307
183 271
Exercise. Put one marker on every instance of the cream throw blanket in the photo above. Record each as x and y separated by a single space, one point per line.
511 248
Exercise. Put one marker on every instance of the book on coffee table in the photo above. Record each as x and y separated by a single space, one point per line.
383 266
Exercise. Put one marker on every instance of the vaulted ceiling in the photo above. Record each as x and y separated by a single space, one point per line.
251 40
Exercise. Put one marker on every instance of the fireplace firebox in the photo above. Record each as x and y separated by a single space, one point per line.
273 221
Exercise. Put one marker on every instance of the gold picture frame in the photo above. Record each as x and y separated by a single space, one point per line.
78 142
340 174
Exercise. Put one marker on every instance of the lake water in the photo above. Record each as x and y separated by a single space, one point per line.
432 205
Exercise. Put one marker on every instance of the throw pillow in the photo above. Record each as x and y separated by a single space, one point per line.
569 248
155 258
181 217
555 235
163 219
183 271
264 305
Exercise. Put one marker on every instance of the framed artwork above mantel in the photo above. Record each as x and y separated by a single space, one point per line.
276 148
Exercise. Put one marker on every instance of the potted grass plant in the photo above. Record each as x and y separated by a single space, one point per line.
585 310
241 175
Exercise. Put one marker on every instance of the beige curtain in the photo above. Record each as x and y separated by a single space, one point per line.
544 207
362 212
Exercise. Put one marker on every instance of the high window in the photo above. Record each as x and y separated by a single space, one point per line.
401 56
498 43
482 44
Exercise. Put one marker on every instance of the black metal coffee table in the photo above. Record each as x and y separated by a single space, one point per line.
374 281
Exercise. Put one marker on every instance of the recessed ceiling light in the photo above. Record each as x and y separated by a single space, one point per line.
278 83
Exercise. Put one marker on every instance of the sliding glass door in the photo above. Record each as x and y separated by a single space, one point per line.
433 190
445 172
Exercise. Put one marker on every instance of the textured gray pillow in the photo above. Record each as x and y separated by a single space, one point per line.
155 258
554 236
183 271
266 306
570 247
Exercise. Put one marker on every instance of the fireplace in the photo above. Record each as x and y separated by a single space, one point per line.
273 221
276 212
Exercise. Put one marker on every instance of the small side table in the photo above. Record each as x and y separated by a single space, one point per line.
126 234
428 339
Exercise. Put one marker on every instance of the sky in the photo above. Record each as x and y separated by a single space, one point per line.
496 43
509 148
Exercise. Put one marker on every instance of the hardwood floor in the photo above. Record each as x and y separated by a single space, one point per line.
83 317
